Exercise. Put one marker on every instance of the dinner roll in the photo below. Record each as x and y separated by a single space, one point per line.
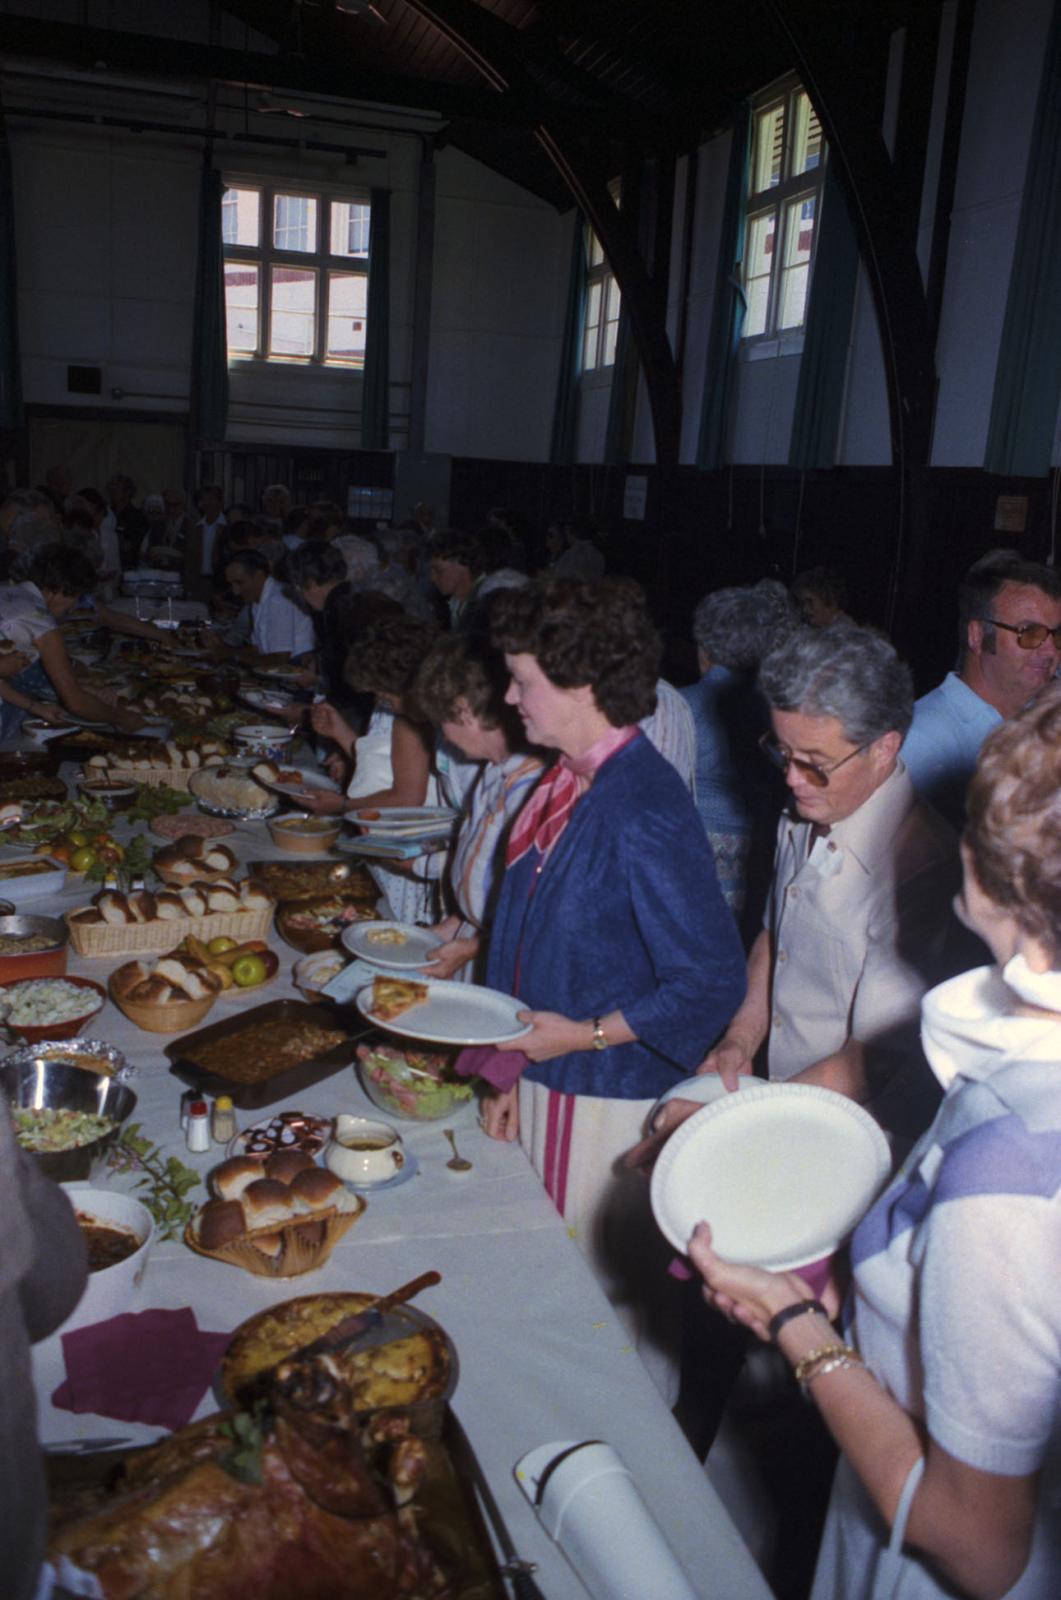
316 1188
267 1204
286 1165
220 1222
233 1176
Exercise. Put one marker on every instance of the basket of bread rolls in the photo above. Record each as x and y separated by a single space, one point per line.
279 1218
155 762
191 859
124 924
165 996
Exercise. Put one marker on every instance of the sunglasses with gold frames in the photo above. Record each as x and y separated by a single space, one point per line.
782 758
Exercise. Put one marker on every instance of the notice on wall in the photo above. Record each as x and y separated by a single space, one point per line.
635 498
1011 513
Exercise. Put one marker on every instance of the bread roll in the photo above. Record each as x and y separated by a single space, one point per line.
254 896
125 979
114 908
268 1204
169 907
222 897
316 1188
286 1165
233 1176
194 902
152 991
220 1222
142 905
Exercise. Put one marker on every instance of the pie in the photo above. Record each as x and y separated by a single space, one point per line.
392 996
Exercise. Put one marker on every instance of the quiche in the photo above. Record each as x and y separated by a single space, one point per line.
391 997
401 1373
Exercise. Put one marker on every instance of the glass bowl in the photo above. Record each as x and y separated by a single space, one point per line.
416 1084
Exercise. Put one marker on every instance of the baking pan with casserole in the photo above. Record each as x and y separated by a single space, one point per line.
266 1055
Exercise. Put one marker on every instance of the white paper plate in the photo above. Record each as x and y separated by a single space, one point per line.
308 779
419 947
265 699
454 1013
782 1172
405 819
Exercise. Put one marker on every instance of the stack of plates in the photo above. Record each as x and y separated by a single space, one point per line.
406 823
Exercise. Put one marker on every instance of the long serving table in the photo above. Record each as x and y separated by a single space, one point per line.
542 1356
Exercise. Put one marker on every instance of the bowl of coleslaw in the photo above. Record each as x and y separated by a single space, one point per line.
50 1008
65 1117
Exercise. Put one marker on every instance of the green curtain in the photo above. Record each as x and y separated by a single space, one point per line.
827 334
1027 390
375 402
209 385
564 440
728 308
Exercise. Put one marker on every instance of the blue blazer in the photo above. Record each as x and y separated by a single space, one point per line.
626 914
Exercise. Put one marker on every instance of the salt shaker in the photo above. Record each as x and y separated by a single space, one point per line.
197 1132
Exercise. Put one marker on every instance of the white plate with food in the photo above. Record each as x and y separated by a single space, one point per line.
268 700
392 944
405 820
781 1171
293 780
442 1012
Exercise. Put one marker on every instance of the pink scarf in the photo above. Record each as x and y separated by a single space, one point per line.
548 811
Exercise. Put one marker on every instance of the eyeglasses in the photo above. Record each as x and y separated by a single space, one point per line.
1030 635
782 758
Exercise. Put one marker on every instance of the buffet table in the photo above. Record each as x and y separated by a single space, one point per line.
542 1356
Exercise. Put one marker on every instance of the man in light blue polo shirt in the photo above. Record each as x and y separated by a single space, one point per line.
1010 622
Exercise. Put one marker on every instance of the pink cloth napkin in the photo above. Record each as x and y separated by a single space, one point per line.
146 1366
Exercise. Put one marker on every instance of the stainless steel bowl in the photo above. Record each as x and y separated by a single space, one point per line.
83 1051
38 1083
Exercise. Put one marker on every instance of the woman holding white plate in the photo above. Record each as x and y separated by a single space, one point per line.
461 687
948 1413
610 928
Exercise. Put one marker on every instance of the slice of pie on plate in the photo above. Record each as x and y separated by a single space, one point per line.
393 996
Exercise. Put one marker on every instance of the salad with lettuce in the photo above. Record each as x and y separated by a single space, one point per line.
419 1084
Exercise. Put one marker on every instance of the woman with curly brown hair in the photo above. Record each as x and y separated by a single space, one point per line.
610 924
948 1414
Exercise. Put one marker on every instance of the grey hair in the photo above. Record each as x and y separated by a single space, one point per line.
842 671
737 627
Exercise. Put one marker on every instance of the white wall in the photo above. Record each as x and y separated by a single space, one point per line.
1004 72
497 311
106 237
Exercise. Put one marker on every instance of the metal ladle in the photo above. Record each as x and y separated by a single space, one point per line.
456 1162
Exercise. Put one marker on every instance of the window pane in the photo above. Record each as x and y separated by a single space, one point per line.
294 222
241 306
611 323
806 136
240 216
596 254
347 301
758 257
768 148
795 267
350 228
589 338
292 314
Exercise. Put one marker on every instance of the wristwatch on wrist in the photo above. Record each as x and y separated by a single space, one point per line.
599 1040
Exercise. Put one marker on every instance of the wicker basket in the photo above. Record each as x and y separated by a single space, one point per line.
176 1016
154 777
304 1245
135 938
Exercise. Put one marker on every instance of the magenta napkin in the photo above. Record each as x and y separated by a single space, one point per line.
146 1366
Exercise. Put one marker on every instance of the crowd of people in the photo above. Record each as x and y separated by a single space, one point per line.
787 868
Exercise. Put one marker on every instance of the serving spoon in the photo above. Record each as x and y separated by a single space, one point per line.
456 1162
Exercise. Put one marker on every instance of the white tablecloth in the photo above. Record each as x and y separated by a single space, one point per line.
542 1357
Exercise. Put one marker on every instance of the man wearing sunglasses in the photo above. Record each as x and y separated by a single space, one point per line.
1010 626
859 921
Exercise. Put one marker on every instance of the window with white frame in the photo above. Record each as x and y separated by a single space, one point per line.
600 328
296 274
784 200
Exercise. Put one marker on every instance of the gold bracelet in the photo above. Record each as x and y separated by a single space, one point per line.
807 1368
834 1364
